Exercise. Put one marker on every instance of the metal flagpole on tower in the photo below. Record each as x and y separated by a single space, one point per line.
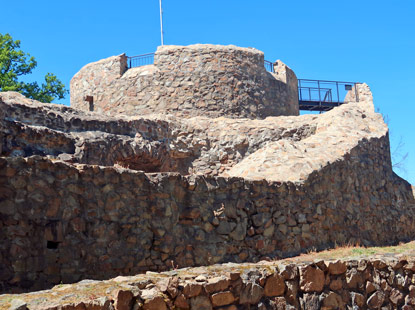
161 23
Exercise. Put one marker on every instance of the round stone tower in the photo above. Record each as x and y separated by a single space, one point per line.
202 80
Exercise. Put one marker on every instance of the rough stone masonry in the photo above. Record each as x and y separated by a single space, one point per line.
86 195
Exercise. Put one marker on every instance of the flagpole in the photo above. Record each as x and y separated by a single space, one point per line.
161 23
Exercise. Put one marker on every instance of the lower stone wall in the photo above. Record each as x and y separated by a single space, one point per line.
63 223
374 283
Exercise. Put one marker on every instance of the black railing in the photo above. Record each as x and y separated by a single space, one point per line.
320 95
148 59
269 66
140 60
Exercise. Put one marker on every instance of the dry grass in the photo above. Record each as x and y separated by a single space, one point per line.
352 252
63 293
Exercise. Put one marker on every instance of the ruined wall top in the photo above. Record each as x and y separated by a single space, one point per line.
195 80
244 55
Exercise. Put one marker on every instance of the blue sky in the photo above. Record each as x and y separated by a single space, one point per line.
365 41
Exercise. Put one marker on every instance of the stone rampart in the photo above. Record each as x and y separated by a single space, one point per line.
196 80
77 199
153 144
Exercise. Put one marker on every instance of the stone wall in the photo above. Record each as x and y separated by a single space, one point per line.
359 92
366 283
61 222
206 80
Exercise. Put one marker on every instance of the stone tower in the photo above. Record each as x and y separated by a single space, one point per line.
195 80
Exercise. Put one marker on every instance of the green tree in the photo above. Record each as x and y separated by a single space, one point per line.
15 63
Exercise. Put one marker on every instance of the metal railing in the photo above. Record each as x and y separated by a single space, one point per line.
269 66
321 95
140 60
148 59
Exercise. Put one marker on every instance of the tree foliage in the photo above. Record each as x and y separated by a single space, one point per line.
15 63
